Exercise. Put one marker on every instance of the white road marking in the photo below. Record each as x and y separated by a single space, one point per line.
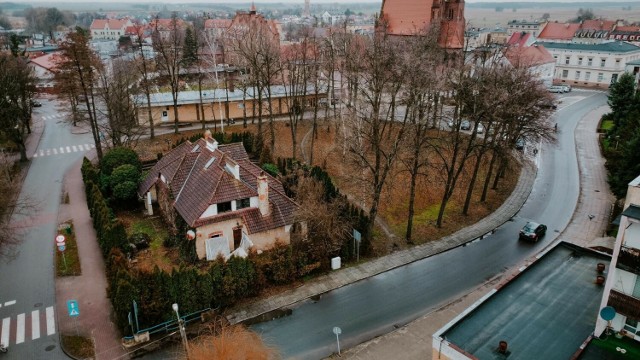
68 149
41 152
61 150
74 148
55 151
9 303
87 147
4 334
35 324
51 322
20 329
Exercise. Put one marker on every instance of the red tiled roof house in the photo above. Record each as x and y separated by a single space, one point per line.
109 29
230 202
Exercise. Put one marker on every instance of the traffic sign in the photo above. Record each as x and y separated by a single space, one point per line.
60 239
61 248
72 307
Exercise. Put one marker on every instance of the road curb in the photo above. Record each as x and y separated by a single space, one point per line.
350 275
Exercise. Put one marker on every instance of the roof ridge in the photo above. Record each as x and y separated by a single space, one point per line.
189 175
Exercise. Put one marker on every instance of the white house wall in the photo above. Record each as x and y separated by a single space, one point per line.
632 235
575 73
261 241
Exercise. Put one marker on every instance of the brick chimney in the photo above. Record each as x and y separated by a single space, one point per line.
263 194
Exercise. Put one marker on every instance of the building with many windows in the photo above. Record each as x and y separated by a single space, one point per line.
622 288
109 29
591 65
525 26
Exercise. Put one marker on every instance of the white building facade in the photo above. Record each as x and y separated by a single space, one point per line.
591 65
622 288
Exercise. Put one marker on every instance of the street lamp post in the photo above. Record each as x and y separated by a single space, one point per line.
183 334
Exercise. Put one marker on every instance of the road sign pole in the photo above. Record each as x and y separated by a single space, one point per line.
64 260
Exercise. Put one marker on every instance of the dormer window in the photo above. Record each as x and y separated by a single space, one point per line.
224 207
243 203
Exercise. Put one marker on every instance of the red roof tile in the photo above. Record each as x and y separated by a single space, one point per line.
529 56
558 31
48 61
519 39
198 178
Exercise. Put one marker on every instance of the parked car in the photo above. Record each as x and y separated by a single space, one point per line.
533 231
556 89
566 87
465 125
480 128
450 123
520 142
35 103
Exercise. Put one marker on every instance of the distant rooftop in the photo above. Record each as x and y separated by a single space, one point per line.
613 46
547 312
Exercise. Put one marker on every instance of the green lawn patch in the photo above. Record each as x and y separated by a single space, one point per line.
78 346
154 227
68 262
606 125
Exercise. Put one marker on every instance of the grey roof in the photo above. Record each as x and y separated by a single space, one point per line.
613 46
193 97
545 313
633 211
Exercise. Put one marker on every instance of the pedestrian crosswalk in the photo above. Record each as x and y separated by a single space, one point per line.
63 150
27 326
54 117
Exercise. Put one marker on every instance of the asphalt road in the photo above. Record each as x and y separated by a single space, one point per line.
379 304
27 295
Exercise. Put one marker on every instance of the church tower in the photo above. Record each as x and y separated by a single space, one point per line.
410 17
452 23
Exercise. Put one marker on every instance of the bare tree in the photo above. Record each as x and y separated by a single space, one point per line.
168 45
374 134
256 48
423 59
80 63
145 67
300 68
117 94
17 86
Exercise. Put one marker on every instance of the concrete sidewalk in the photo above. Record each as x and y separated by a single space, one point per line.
346 276
413 341
90 288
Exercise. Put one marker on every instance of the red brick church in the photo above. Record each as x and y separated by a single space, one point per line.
409 17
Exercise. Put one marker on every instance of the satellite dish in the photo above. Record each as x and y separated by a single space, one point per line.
608 313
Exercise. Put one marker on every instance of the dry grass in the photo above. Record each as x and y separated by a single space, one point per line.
231 343
394 203
78 346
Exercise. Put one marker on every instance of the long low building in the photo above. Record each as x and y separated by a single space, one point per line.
591 65
222 104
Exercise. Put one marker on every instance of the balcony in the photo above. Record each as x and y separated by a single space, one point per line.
625 304
629 259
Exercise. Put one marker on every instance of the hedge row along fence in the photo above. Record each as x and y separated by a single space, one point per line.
196 285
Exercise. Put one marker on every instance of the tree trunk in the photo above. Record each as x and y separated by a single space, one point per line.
474 175
412 196
487 180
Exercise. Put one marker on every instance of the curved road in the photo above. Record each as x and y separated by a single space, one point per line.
27 295
377 305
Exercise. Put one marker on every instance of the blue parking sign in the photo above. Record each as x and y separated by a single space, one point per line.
72 307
